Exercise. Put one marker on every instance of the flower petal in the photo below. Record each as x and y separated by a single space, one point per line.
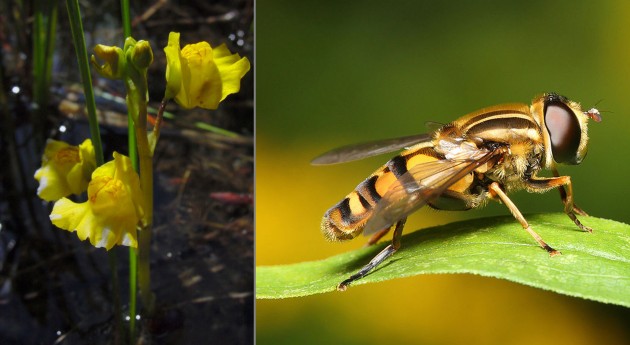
232 68
201 76
173 66
114 61
65 169
88 157
111 215
126 173
201 81
68 215
51 185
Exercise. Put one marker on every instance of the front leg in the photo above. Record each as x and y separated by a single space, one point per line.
545 183
497 192
563 196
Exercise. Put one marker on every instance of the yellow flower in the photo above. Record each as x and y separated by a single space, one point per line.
113 210
65 169
201 76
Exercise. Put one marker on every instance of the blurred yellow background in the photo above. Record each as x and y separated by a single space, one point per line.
333 73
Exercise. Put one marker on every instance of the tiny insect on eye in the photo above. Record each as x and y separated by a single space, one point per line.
564 131
594 115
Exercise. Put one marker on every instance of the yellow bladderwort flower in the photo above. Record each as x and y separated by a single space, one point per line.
113 210
201 76
65 170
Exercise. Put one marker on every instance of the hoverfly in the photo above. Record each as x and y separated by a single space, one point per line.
479 157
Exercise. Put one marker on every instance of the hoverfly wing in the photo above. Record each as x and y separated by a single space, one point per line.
433 126
355 152
421 184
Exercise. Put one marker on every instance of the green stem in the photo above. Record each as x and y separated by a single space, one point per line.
78 38
133 276
144 272
146 184
137 104
44 27
76 27
126 17
133 156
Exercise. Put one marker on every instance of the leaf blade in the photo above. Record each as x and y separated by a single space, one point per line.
592 266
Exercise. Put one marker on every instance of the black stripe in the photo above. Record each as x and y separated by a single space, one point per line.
346 212
503 124
367 188
364 202
398 166
483 116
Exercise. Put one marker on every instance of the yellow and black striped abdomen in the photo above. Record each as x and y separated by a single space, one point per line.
346 219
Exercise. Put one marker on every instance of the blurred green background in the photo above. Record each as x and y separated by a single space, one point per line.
332 73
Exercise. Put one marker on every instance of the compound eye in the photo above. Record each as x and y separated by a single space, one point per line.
564 131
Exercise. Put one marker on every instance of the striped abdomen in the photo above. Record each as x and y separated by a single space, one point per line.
346 219
511 124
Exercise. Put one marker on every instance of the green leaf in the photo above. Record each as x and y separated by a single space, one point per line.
594 265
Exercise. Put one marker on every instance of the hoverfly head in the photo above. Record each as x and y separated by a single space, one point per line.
567 128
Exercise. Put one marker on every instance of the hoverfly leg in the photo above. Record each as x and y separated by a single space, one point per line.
496 190
377 236
567 200
571 209
566 195
578 210
379 258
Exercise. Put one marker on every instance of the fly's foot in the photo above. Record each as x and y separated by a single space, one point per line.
577 221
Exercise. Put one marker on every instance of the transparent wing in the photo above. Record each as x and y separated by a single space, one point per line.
423 183
433 126
355 152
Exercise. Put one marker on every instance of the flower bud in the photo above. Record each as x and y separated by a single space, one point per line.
114 59
142 55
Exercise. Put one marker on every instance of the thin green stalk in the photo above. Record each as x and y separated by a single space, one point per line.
76 27
137 106
126 22
126 17
217 130
44 27
133 276
144 237
78 38
131 142
133 155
